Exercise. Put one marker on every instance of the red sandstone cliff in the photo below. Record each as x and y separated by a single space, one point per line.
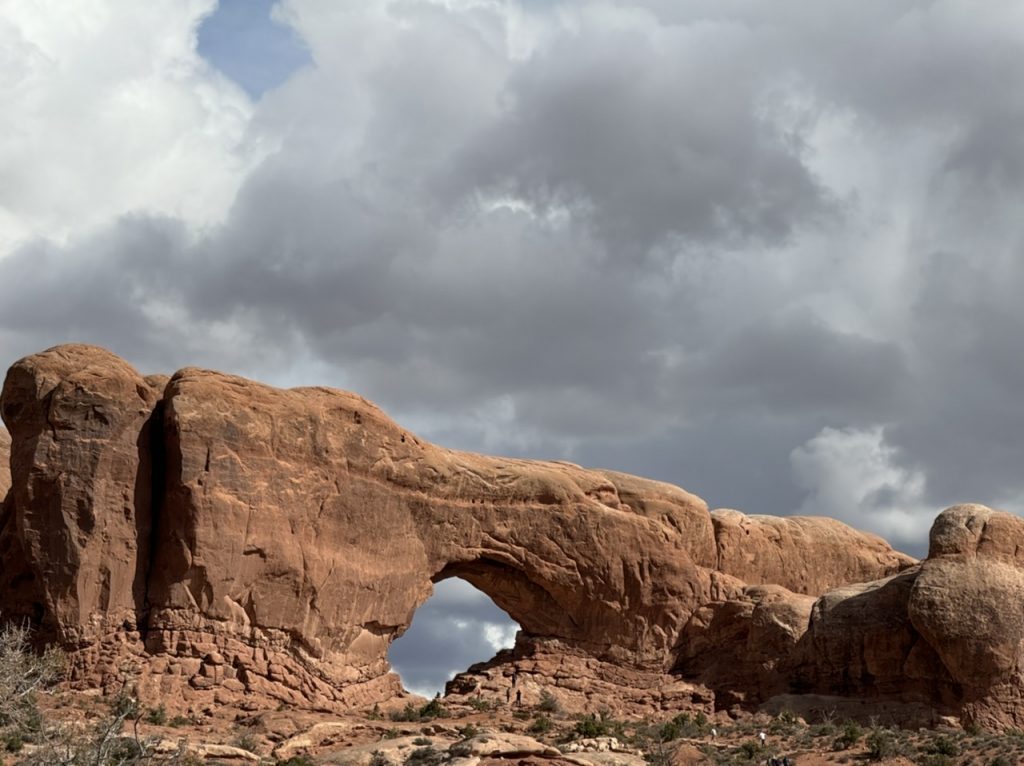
234 541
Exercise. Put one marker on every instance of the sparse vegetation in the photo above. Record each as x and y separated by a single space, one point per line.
681 726
248 741
592 726
157 715
882 743
412 714
541 725
304 760
548 703
849 736
481 705
110 736
425 756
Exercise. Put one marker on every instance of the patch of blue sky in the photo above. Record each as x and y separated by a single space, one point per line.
242 40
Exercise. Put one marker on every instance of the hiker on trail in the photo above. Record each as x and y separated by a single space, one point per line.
519 698
762 736
714 733
508 696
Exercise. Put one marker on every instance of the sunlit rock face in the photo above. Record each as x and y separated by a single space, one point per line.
228 540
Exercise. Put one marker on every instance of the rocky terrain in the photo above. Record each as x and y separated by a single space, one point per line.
223 545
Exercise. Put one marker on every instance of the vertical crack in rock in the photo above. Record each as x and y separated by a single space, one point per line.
152 473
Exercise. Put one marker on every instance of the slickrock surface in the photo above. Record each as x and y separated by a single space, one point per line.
807 555
231 543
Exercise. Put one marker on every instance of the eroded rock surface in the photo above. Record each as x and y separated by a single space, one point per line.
945 637
804 554
229 542
5 462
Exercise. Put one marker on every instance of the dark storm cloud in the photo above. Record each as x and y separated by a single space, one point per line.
800 366
635 134
724 244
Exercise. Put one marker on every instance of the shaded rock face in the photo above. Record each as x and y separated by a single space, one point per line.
945 636
807 555
79 419
230 541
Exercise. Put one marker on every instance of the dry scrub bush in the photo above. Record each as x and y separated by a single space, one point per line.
36 741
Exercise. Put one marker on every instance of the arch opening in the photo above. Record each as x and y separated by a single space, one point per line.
458 626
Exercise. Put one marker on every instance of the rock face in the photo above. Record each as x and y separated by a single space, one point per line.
5 462
228 541
807 555
80 422
946 636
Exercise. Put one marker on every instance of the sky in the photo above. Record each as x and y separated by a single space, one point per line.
770 252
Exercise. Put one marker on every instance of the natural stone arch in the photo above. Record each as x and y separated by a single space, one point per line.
527 603
457 627
245 539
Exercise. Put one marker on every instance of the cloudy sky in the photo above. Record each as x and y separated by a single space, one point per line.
770 252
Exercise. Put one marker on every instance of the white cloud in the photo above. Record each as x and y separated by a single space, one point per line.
852 474
500 636
108 109
633 234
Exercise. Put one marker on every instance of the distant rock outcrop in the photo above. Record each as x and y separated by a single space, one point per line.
219 539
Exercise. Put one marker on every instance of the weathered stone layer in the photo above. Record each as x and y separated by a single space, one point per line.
228 541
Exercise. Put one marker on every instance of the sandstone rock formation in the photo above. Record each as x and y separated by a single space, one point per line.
802 554
945 637
222 540
5 462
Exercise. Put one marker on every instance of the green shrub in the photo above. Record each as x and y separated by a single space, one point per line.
433 709
943 745
422 741
680 726
541 725
548 703
425 756
849 736
480 704
882 743
410 713
157 715
591 726
13 741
